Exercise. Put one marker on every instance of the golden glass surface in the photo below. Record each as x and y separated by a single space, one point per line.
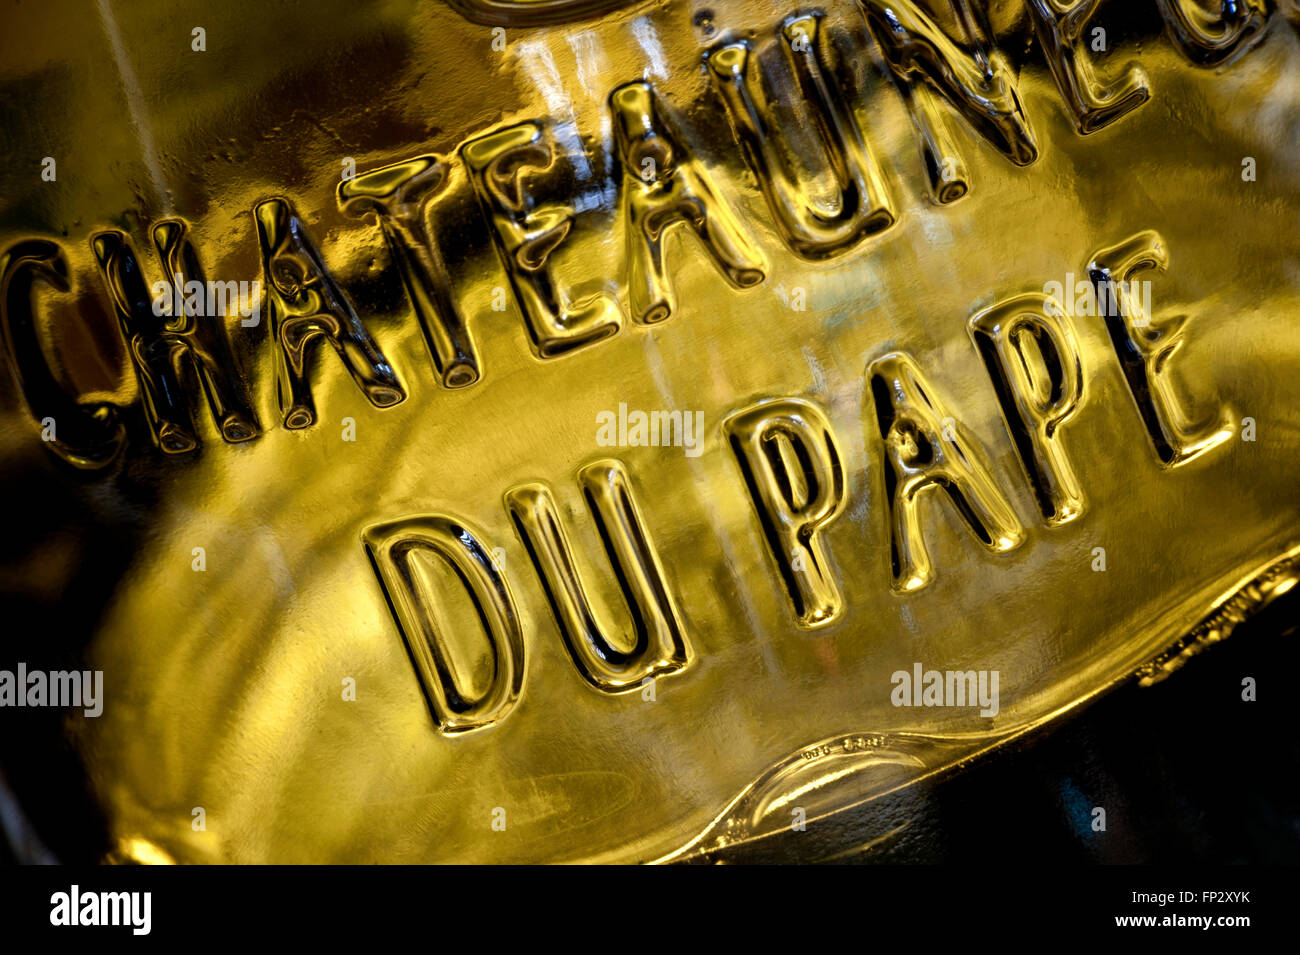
624 396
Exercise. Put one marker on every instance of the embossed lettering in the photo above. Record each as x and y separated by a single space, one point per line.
1033 359
863 206
400 195
976 81
1145 345
657 644
403 553
676 191
787 453
158 342
306 305
1092 105
920 452
1214 39
528 234
88 435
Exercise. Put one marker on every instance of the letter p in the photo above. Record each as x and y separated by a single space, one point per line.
786 451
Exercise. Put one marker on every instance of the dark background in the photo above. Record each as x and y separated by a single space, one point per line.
1187 772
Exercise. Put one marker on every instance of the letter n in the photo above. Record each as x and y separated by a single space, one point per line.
975 80
407 555
306 305
656 644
